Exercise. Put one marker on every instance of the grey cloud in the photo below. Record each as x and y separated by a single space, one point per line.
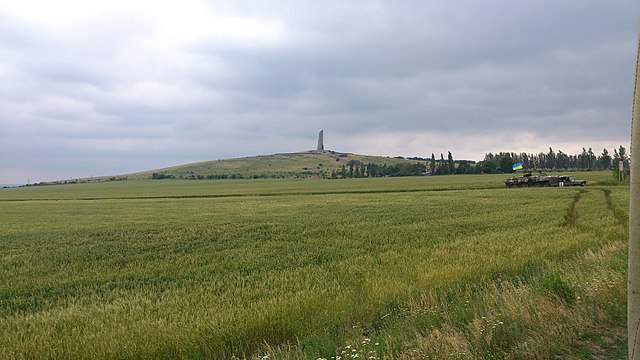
353 69
353 59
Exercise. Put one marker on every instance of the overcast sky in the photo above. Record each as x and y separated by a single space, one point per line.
111 87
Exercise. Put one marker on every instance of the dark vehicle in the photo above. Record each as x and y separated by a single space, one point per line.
543 180
566 181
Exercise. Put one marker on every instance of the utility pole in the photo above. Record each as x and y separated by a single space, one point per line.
633 300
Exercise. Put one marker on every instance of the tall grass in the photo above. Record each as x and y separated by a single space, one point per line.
303 275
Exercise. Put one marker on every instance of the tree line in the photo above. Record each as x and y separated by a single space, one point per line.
501 162
430 166
358 169
585 161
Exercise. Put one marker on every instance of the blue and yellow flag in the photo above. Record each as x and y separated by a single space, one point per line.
517 166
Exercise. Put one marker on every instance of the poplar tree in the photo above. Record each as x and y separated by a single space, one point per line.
605 160
433 164
450 163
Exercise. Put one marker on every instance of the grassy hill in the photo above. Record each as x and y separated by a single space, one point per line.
300 164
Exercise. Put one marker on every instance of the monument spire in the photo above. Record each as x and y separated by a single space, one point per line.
320 142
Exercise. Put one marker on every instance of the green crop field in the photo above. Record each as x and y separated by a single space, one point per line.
419 267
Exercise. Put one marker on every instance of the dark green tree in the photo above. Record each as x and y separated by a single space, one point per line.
506 164
551 159
487 167
605 160
562 160
442 170
432 164
583 160
620 156
591 163
463 167
623 154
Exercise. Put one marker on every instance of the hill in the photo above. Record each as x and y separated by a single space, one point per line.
285 165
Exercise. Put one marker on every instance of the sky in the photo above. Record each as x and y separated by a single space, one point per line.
91 88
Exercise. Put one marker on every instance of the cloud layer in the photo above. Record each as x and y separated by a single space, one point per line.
107 88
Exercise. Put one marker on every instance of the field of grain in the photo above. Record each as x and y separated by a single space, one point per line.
440 267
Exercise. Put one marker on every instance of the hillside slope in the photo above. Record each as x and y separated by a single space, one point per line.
301 164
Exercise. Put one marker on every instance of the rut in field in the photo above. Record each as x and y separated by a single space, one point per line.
572 215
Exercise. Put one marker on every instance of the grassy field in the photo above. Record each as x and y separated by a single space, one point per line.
424 267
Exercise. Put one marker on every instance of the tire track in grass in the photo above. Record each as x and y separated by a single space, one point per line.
572 215
618 214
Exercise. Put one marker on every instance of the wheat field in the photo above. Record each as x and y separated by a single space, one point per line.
431 267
